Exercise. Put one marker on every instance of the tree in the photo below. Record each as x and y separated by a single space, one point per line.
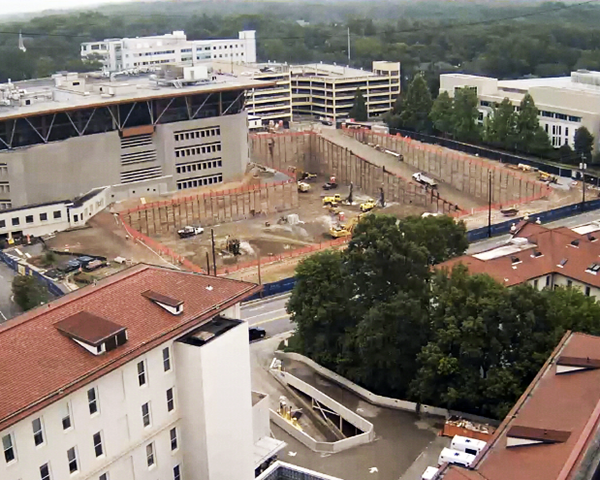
501 126
531 138
319 307
565 154
417 105
29 292
359 108
584 145
441 113
465 115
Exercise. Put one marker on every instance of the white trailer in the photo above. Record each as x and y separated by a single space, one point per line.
424 179
455 457
430 473
467 445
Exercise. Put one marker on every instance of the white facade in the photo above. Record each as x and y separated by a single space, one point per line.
564 103
145 53
199 419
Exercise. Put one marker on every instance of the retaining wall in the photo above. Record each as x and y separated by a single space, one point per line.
212 208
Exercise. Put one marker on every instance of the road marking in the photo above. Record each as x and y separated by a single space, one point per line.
270 311
255 308
262 322
5 319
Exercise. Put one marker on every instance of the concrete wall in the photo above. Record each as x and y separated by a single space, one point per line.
216 407
260 419
69 168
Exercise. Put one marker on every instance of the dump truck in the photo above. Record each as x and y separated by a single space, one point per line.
332 200
424 180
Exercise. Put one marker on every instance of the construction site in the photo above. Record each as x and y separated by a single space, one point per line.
305 191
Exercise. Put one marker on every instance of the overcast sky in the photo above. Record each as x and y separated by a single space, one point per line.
23 6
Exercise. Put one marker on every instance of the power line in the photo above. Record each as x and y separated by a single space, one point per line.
344 34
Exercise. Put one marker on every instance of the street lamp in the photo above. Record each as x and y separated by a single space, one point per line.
583 167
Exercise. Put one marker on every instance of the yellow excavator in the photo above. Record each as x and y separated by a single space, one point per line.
339 231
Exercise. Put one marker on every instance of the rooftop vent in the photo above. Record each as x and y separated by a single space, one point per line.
591 238
575 243
521 436
576 364
514 259
536 253
96 334
170 304
563 262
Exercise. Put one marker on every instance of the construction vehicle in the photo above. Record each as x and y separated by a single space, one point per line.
339 231
332 200
303 187
233 246
331 184
368 205
306 176
547 177
189 231
424 179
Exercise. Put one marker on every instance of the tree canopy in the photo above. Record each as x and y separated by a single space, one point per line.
584 145
29 292
359 109
379 315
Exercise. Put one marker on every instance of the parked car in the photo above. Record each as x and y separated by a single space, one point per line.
93 265
69 266
84 260
256 333
190 231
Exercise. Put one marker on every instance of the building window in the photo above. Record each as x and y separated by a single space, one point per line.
76 218
45 472
15 221
9 448
150 455
141 368
29 219
176 473
38 432
2 223
166 359
146 414
535 284
569 283
548 280
66 419
43 217
72 457
170 400
104 476
57 214
92 395
98 444
173 434
587 291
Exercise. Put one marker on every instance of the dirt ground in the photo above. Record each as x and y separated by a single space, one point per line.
267 237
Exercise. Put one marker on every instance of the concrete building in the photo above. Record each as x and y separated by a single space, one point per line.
564 103
146 53
542 257
327 91
553 430
145 375
177 130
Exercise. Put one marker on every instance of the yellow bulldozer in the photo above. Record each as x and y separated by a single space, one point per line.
339 231
332 200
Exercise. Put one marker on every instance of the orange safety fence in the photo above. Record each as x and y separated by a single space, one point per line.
298 252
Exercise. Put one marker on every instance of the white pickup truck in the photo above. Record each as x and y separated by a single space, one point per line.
425 180
189 231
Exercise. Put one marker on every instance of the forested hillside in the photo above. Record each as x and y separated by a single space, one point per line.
511 41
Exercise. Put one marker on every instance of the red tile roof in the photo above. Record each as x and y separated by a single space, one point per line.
569 402
38 363
555 247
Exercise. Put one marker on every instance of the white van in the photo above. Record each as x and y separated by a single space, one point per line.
467 445
455 457
429 473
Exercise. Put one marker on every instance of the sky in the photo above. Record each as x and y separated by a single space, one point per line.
9 7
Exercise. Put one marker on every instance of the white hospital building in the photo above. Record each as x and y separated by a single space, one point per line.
143 376
564 103
145 53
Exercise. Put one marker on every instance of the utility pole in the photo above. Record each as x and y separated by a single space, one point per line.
348 44
259 278
583 167
212 235
489 203
207 264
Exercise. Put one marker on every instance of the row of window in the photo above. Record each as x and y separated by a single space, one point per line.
4 188
16 221
588 289
5 205
201 150
199 182
560 116
193 167
201 133
149 54
153 62
151 461
221 55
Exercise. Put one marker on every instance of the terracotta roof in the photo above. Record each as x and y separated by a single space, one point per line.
568 402
160 298
88 328
51 364
547 251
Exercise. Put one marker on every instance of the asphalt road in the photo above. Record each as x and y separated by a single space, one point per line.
268 314
570 222
8 308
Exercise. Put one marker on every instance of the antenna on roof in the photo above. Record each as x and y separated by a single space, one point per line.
21 44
